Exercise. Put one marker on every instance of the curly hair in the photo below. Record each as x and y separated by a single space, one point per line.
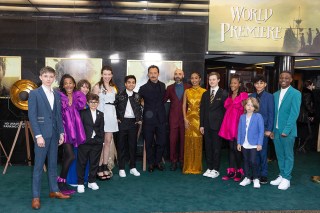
65 76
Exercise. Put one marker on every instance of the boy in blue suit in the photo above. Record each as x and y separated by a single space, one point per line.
46 122
250 140
287 104
266 109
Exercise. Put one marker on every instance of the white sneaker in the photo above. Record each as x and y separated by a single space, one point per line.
245 181
207 173
134 172
284 185
80 188
214 173
277 181
256 183
122 173
93 186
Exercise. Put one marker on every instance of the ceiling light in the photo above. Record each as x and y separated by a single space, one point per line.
79 55
152 57
232 71
307 67
114 58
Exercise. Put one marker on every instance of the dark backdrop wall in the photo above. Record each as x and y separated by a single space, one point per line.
35 39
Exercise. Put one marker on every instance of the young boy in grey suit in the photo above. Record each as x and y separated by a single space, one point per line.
46 122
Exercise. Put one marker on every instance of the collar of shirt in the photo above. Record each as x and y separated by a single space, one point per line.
93 111
215 89
285 90
130 93
46 89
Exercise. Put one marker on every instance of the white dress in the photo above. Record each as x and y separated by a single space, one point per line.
110 116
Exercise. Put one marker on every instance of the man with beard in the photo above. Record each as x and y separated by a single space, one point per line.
174 93
154 118
287 103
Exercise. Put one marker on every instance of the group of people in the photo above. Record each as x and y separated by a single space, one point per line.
84 120
246 122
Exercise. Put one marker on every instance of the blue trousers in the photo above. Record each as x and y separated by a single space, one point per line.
285 154
40 154
72 177
262 159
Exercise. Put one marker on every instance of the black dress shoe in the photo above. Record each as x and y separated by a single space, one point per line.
150 168
173 167
160 167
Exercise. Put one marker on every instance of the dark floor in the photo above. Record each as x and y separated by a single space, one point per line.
171 192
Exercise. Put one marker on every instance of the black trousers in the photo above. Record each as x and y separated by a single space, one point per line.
235 157
127 135
88 151
154 134
213 148
250 162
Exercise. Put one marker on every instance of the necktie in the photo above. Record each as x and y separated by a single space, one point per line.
211 96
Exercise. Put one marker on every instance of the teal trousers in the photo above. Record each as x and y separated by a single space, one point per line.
285 153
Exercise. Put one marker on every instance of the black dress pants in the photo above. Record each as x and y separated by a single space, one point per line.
127 135
88 151
154 134
213 148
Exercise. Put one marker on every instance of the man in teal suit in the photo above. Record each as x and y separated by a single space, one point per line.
287 104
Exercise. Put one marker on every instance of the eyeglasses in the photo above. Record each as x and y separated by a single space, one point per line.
93 102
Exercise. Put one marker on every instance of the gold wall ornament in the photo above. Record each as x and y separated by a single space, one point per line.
19 93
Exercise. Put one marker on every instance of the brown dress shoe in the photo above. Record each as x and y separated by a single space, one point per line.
58 195
35 203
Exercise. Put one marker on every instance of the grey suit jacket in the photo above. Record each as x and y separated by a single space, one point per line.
43 120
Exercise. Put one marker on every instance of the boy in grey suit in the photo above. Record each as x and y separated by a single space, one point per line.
46 122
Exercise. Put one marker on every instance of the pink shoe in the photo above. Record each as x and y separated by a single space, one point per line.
239 175
230 174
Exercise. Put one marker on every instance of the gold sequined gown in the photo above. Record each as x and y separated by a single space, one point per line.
193 138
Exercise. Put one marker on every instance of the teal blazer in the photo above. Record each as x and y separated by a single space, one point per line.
288 111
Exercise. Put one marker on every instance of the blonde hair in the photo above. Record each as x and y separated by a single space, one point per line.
254 102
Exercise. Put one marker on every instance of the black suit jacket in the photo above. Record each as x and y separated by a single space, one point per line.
154 112
122 101
89 126
211 115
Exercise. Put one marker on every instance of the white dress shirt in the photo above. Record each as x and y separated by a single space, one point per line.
282 94
129 111
94 117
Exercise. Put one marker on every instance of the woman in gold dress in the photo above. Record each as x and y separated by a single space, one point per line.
193 137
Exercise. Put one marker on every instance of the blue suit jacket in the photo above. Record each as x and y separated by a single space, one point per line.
288 111
255 130
43 120
266 109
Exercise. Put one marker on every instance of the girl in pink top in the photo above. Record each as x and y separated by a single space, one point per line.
229 127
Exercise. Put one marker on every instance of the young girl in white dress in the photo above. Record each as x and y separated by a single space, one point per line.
107 90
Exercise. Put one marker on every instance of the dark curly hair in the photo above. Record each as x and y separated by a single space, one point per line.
65 76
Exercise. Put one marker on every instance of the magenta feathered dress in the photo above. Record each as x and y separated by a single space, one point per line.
234 109
73 128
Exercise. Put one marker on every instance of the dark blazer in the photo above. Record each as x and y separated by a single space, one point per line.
43 120
176 115
89 126
266 109
211 115
255 129
154 112
121 105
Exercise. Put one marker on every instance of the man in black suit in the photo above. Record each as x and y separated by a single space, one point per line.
129 114
211 115
154 118
93 123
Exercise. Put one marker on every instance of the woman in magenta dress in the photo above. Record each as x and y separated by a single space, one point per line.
229 127
71 103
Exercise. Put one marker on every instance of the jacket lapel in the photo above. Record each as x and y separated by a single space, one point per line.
285 96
